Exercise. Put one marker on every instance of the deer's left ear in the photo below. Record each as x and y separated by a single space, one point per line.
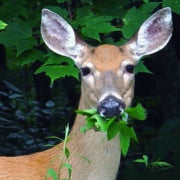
60 37
153 34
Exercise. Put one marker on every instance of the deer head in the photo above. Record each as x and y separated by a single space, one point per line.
107 70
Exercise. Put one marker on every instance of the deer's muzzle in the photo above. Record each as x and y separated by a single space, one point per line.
110 106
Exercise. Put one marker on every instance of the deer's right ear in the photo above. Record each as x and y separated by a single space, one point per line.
60 37
153 34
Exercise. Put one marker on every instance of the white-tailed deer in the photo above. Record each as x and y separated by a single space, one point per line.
107 84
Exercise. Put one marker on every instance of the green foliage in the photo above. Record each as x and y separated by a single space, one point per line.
18 33
137 112
92 25
153 164
141 68
174 4
64 161
135 17
92 19
29 57
54 68
2 25
114 126
69 168
51 173
144 160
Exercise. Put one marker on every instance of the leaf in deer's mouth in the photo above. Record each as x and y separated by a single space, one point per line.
114 126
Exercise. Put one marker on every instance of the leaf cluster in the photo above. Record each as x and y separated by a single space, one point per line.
153 164
64 161
114 126
95 21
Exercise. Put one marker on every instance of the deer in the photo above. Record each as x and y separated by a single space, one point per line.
107 84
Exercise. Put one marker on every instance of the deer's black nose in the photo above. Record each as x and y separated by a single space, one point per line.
110 106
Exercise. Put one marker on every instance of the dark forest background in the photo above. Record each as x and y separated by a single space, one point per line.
39 91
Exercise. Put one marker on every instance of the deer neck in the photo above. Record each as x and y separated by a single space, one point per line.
103 155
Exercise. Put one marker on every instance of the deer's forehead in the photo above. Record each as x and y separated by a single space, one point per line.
107 57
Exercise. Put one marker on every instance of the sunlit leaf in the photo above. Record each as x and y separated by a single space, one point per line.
58 71
89 125
2 25
69 168
160 164
137 112
86 112
51 173
124 139
113 130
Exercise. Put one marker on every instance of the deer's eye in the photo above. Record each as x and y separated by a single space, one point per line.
130 68
85 71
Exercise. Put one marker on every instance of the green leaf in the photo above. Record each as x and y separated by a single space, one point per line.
124 139
12 10
54 137
86 112
54 59
100 123
93 29
66 152
54 69
126 133
161 164
51 173
25 44
2 25
144 160
124 116
135 17
61 11
90 123
15 32
29 57
18 34
173 4
66 132
69 167
58 71
113 130
137 112
155 164
145 157
92 25
141 68
114 8
132 134
139 161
